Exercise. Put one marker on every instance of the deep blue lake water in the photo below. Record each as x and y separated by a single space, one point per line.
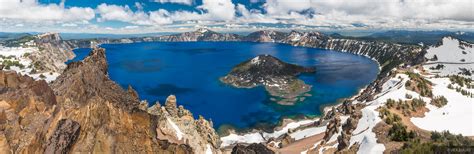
191 71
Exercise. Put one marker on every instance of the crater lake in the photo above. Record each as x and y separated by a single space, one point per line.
191 71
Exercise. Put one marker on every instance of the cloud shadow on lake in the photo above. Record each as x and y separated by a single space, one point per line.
147 65
166 90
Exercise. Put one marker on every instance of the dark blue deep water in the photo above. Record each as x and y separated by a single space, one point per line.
191 71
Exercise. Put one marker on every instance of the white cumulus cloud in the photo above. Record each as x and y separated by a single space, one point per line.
185 2
211 10
418 14
33 11
370 13
218 9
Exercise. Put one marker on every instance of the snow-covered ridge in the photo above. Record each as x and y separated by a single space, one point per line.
453 56
451 51
395 89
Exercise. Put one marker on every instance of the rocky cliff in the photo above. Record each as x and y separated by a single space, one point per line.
52 54
265 36
278 78
85 111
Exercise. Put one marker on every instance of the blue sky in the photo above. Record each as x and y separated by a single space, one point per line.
150 16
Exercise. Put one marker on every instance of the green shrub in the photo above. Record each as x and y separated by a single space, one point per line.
461 81
399 133
417 103
439 143
408 96
26 54
8 63
420 83
439 101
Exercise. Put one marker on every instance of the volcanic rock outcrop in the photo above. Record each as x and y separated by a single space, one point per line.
53 52
278 78
255 148
84 111
265 36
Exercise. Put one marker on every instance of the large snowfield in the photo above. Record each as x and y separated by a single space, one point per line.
456 117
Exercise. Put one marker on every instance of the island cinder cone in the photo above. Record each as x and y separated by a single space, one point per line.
279 78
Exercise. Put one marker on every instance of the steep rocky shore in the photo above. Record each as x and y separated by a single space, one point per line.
278 78
53 52
85 111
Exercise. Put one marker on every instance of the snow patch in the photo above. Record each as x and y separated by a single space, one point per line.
18 54
257 137
297 37
15 51
450 69
452 56
363 132
289 126
202 30
450 51
300 134
208 149
255 60
179 134
247 138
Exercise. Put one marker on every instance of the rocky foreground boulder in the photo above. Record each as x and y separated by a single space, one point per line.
278 78
255 148
84 111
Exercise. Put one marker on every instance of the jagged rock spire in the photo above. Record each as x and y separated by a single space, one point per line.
170 105
84 80
132 92
171 101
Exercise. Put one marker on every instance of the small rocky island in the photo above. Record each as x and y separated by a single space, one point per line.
279 78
